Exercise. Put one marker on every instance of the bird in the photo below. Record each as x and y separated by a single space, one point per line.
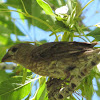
54 59
58 60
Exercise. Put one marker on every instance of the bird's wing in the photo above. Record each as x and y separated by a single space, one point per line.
54 50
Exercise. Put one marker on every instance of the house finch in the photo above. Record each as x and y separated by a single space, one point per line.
72 60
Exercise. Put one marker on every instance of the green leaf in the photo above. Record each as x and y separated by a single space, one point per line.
3 39
7 26
95 33
98 85
21 16
42 91
3 76
12 89
69 3
45 7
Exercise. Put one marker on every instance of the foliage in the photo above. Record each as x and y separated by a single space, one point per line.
40 13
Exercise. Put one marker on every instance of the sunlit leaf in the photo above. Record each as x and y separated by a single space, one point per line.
12 89
45 7
21 16
42 91
95 33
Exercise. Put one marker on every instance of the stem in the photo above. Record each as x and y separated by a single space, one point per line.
84 7
24 76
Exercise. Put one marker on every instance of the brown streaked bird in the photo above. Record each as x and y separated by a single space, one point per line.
72 60
55 59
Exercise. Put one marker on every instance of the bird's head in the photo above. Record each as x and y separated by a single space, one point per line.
18 53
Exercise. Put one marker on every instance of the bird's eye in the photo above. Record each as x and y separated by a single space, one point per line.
14 49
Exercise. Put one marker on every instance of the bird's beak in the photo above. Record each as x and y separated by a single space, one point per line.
6 58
